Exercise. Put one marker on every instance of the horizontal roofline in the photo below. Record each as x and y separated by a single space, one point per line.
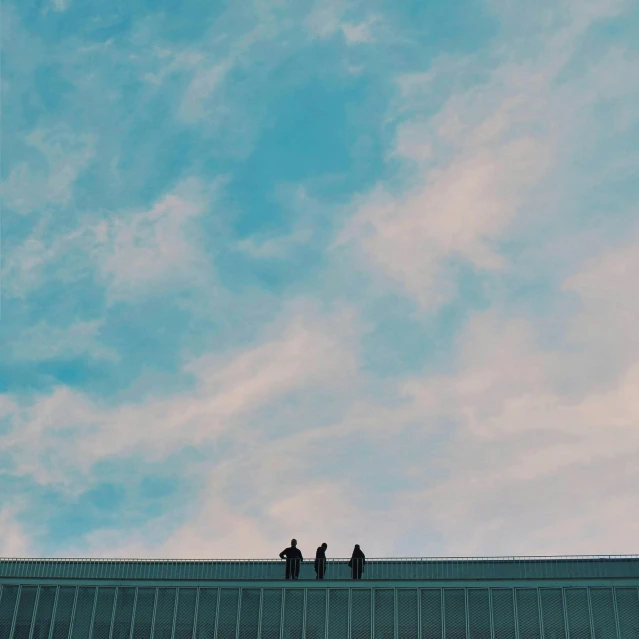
517 558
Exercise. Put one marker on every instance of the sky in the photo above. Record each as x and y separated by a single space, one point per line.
345 271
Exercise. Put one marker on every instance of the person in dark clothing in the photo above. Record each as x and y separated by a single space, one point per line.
320 561
357 562
294 558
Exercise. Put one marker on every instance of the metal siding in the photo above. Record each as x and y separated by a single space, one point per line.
628 610
316 613
24 617
227 623
144 613
479 613
554 624
431 613
578 615
123 616
250 618
603 614
185 615
103 613
361 624
384 612
63 613
338 613
293 613
44 613
164 613
7 610
455 613
206 613
503 613
271 613
407 613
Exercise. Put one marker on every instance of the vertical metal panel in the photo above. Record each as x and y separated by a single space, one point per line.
82 620
614 603
305 611
338 613
143 621
229 604
259 623
135 612
316 613
44 613
293 613
455 613
628 611
123 614
185 615
478 613
53 613
24 616
164 613
407 614
578 613
552 606
503 613
115 603
361 627
490 612
431 613
103 614
7 610
528 613
64 613
206 613
603 613
250 617
271 613
384 613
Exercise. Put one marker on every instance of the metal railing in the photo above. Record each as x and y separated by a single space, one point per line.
430 568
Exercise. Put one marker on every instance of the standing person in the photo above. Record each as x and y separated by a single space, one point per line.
357 562
294 558
320 561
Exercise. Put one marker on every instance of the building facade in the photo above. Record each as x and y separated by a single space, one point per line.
503 598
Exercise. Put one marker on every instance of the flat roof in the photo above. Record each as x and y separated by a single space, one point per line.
398 568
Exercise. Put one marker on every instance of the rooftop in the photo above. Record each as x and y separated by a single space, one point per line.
405 568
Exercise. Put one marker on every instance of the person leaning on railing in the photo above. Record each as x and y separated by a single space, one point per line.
320 561
357 562
293 556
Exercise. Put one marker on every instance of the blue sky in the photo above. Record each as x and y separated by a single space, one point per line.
354 272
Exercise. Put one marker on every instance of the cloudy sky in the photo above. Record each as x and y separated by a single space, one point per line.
349 271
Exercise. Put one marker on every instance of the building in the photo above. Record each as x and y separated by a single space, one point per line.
503 598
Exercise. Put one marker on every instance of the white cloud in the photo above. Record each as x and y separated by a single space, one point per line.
132 251
158 246
63 156
482 161
42 341
359 33
303 354
60 5
14 542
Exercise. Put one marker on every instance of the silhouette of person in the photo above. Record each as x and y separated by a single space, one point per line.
357 562
320 561
294 558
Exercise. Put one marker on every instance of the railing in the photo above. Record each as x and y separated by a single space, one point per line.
458 568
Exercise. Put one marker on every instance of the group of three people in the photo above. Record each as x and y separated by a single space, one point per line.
293 556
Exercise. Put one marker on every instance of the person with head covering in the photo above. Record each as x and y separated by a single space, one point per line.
357 562
320 561
293 556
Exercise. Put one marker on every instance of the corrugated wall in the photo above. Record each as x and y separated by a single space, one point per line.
89 612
